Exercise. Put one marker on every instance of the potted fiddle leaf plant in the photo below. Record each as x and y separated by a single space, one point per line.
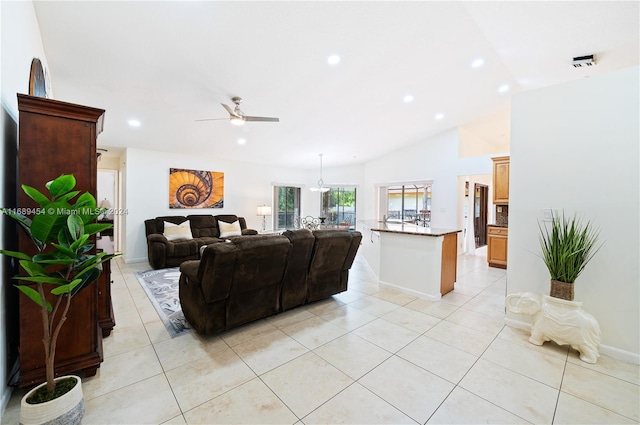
567 246
64 265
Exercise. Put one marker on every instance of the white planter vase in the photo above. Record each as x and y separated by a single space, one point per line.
65 410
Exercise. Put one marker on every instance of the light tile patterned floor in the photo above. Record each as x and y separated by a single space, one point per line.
370 355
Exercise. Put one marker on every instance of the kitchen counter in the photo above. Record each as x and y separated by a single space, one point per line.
498 225
402 257
407 228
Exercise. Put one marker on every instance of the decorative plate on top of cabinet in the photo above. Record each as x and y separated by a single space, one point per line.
37 82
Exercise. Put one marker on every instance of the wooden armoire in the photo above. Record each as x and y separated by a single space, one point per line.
58 138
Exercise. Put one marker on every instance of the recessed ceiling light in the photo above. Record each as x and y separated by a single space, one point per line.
333 60
408 98
439 116
134 123
477 63
503 88
241 141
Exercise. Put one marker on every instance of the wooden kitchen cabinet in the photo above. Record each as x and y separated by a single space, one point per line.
497 246
501 180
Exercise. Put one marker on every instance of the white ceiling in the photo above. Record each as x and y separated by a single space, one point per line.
171 63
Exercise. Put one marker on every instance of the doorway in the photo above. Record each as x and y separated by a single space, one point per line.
480 208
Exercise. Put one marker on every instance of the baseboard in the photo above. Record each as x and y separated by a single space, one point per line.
411 291
134 260
616 353
607 350
518 324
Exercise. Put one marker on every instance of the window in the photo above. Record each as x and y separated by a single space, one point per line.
288 206
339 205
409 203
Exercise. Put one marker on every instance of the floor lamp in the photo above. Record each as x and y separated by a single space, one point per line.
264 211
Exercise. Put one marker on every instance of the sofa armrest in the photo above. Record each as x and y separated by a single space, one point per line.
215 272
190 270
157 237
157 250
249 232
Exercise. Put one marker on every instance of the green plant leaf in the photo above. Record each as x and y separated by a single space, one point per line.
34 269
66 289
53 259
33 296
86 200
35 194
86 280
61 185
68 252
75 226
25 223
80 243
567 246
93 228
15 254
42 279
67 196
45 227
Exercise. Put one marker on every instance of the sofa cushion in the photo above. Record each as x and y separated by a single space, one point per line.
183 248
229 229
175 219
203 226
174 232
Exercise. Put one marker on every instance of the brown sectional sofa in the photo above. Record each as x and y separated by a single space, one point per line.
164 253
250 278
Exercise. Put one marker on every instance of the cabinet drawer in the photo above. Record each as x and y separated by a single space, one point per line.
502 231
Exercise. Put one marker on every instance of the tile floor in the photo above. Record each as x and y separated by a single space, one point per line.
370 355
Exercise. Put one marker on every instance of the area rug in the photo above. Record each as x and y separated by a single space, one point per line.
161 287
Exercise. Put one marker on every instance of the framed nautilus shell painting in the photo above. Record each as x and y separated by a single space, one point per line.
195 189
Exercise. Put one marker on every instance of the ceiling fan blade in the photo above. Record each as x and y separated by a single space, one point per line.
268 119
229 110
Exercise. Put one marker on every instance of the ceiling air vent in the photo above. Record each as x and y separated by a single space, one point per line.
584 61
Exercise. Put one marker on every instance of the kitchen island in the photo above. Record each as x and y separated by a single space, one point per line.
415 259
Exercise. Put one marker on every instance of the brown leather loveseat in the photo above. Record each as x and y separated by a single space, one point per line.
165 251
249 278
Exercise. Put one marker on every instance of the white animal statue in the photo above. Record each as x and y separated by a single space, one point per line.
561 321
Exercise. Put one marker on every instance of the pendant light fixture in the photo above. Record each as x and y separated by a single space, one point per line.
320 187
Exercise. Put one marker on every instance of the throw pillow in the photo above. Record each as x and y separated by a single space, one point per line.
174 232
229 229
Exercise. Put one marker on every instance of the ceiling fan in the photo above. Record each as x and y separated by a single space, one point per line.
237 117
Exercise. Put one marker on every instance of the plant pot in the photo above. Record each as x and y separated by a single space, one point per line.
67 409
561 290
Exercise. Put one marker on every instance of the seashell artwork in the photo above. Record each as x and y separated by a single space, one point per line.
195 189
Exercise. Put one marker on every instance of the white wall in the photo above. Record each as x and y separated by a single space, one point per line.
433 159
20 43
246 186
575 147
466 239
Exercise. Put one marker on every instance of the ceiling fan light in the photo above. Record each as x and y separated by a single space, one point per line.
237 121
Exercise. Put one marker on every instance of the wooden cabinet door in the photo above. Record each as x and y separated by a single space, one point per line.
501 180
497 247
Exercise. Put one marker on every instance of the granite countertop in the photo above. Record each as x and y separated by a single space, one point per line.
498 225
406 228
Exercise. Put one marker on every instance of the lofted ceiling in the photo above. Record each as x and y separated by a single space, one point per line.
168 64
